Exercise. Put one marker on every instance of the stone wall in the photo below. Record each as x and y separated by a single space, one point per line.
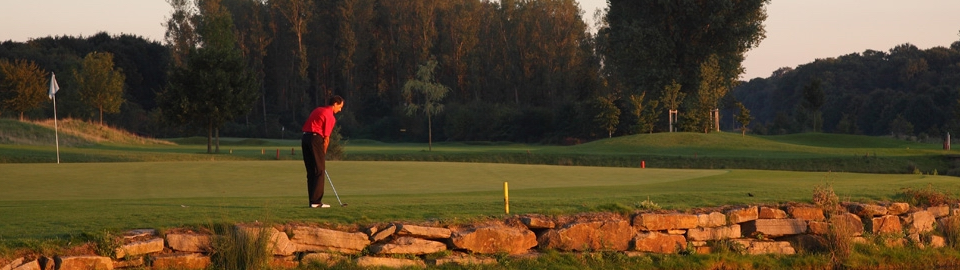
752 229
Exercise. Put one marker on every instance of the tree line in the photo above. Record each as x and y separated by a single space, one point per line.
903 92
512 70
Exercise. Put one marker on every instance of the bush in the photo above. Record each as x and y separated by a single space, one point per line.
825 198
925 197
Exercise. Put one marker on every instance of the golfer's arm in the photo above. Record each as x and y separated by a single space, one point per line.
326 142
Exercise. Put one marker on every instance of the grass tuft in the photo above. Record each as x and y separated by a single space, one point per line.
239 249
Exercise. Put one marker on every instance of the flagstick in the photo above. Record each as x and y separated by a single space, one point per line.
56 130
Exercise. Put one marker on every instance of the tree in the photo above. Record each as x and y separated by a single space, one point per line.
900 127
651 44
608 115
813 99
424 95
215 85
645 112
22 85
743 118
181 35
712 89
212 88
99 84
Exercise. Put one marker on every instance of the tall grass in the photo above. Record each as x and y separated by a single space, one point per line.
237 248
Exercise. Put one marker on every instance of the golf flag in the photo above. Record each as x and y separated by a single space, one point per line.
53 85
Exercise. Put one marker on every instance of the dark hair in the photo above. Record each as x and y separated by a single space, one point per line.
334 100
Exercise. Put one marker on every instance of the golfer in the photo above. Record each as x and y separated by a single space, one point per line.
316 138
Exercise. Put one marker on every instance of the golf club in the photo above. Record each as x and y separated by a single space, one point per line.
334 189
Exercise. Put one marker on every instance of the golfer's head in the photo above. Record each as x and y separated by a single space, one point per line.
336 102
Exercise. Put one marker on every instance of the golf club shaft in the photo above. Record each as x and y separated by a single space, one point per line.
334 188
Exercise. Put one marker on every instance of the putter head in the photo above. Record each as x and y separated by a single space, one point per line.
343 205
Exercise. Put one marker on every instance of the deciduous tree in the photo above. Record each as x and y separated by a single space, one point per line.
424 94
22 85
100 85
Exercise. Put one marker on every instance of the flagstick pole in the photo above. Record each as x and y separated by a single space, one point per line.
56 130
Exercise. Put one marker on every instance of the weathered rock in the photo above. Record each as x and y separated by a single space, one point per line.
277 242
742 215
918 222
494 239
848 223
464 260
866 210
535 222
677 232
939 211
327 259
806 213
189 242
807 242
936 241
33 265
383 234
129 263
773 227
714 219
947 224
424 232
591 235
84 263
16 262
662 222
769 247
659 242
818 227
898 208
771 213
319 239
408 245
884 225
180 261
368 261
137 233
140 248
715 233
284 262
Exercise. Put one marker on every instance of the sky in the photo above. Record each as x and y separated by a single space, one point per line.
798 31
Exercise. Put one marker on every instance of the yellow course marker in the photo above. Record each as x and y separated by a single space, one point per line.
506 198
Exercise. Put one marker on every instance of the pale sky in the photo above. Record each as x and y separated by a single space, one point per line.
798 31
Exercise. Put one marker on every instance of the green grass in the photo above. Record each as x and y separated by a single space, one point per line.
51 200
112 181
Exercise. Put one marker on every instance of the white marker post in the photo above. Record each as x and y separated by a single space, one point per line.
54 87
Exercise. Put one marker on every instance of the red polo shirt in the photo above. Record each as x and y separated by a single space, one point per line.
321 121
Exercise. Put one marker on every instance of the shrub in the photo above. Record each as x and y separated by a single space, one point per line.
647 205
825 198
104 243
924 197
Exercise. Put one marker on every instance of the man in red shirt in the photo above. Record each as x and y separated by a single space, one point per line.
316 138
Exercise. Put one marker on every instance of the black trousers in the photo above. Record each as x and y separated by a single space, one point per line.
314 159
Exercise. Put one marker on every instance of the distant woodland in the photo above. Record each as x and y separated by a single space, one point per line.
522 71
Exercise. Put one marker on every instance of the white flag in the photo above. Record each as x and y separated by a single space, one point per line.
53 85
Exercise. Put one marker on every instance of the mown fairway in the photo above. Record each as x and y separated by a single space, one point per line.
111 180
51 200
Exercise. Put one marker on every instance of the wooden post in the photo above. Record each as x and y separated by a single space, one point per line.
506 198
673 116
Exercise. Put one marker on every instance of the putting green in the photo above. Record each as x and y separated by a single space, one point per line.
142 180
